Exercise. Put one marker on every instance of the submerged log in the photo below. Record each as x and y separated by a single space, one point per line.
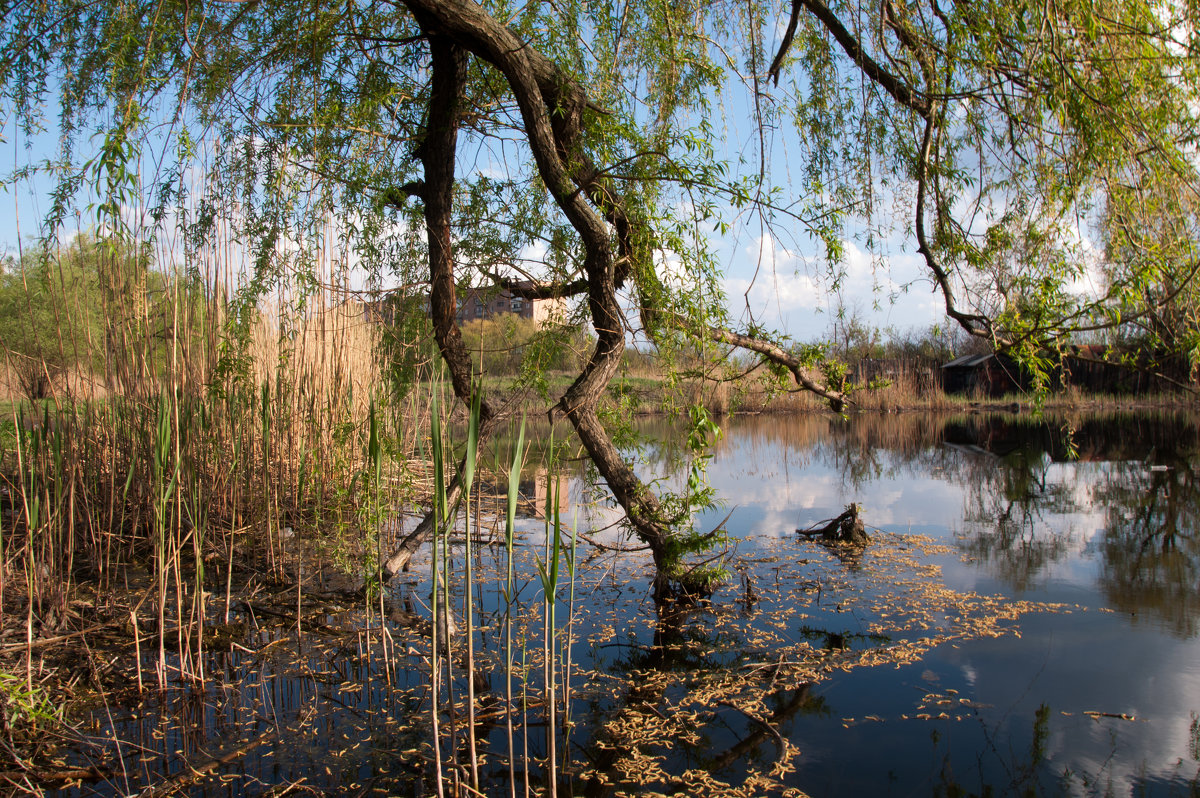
194 772
846 528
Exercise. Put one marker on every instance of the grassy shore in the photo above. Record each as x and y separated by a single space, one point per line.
645 394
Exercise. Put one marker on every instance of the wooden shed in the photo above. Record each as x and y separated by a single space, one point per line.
987 375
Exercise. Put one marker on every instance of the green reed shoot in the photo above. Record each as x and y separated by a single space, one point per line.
548 573
446 619
466 478
265 469
27 455
440 517
571 560
373 504
510 515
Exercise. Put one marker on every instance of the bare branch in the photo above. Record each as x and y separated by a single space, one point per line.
900 91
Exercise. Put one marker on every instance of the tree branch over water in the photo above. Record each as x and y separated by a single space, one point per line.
1040 161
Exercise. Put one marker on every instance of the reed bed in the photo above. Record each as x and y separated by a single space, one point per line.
193 434
209 450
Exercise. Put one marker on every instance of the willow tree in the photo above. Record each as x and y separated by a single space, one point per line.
601 150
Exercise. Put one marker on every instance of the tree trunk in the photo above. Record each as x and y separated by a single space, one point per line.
437 151
552 110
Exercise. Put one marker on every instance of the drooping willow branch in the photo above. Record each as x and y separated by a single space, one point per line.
923 102
552 108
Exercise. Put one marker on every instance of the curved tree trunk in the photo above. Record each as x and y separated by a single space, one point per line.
437 151
552 107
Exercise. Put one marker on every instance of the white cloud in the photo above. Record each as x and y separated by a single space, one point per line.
784 289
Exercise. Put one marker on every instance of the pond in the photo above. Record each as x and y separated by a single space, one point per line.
1024 622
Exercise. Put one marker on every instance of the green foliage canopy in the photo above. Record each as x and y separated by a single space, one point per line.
1005 133
595 148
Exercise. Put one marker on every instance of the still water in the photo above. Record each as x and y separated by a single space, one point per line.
1025 622
1096 513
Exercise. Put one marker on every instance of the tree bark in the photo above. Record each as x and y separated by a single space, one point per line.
437 152
551 106
552 109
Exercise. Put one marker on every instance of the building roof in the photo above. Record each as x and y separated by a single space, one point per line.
968 361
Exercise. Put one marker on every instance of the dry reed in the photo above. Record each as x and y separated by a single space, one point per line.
191 427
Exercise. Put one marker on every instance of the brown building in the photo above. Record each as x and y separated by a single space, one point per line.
987 374
473 303
487 303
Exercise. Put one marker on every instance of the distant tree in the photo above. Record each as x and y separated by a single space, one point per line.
406 339
509 344
50 318
1151 233
853 339
94 306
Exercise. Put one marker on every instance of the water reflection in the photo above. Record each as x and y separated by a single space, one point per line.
1099 510
538 490
1150 547
1027 482
1036 494
897 671
1010 498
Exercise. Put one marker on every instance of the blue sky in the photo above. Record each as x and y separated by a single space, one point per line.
781 286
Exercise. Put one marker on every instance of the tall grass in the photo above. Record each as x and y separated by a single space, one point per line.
509 595
438 602
468 466
194 428
543 667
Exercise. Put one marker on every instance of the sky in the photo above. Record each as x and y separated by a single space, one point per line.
789 293
776 287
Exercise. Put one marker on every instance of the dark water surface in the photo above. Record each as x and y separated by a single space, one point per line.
1098 512
1025 623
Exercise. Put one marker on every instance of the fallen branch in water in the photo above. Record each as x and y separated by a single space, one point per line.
845 528
42 642
194 772
45 777
780 745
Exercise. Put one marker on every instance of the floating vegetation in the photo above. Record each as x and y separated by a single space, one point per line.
895 609
663 698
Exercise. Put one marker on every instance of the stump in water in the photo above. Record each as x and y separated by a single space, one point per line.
846 529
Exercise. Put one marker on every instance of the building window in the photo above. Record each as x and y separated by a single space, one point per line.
516 304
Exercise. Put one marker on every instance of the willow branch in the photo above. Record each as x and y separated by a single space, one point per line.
804 377
893 85
532 289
